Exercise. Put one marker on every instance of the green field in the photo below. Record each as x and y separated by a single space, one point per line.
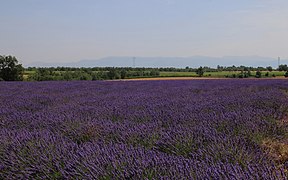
216 74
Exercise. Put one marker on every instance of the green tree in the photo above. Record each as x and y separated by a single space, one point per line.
200 71
113 74
42 74
154 73
286 74
123 73
10 70
283 67
249 73
258 74
68 76
85 76
269 68
241 75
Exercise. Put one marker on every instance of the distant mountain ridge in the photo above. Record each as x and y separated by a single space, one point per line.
177 62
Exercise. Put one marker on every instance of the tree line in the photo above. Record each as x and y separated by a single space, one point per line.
61 73
11 70
282 67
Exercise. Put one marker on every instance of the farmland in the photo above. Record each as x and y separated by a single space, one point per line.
220 74
181 129
136 73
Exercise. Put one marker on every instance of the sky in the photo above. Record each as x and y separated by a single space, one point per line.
72 30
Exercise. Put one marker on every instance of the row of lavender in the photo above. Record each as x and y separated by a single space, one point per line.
198 129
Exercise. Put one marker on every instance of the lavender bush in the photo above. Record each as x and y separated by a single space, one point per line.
200 129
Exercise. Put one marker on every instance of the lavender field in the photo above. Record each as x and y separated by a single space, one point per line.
197 129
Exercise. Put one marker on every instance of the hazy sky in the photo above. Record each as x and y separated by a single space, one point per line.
71 30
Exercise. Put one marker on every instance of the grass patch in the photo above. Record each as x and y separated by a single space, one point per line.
218 74
278 150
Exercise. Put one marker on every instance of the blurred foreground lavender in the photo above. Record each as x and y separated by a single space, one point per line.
198 129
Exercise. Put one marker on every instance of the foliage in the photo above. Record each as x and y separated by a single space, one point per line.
10 70
283 67
113 74
258 74
104 73
269 68
48 74
200 71
154 73
123 73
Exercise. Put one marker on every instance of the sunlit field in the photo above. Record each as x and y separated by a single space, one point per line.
198 129
218 74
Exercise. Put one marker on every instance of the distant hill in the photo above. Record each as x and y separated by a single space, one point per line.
178 62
